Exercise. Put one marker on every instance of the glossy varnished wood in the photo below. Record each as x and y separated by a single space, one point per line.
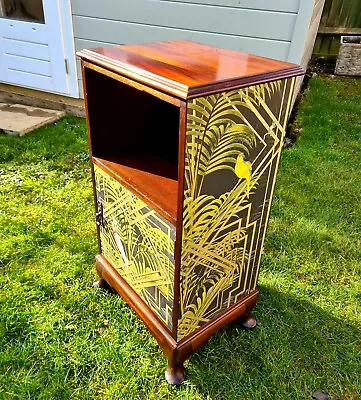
90 148
133 136
132 83
143 176
187 69
179 224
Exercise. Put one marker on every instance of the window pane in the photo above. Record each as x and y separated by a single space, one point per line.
24 10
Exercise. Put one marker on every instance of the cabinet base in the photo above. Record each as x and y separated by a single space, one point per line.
175 351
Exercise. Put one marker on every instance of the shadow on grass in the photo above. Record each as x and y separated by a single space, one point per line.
295 349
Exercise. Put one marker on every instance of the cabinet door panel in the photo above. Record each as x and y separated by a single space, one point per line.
138 242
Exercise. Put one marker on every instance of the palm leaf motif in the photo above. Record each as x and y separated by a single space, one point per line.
214 230
139 244
216 138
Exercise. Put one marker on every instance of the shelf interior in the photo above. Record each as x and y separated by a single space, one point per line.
134 138
147 183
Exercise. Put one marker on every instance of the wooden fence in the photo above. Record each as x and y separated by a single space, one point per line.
339 17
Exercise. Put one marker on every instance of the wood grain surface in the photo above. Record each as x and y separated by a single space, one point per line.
187 69
155 189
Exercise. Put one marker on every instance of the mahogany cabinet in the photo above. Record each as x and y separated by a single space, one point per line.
185 141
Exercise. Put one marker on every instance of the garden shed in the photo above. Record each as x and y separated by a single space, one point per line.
38 43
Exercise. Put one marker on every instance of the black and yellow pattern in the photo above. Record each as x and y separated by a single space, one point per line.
139 244
233 144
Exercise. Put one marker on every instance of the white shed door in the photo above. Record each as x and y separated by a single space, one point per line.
31 45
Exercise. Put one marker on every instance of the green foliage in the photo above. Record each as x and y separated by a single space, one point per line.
60 339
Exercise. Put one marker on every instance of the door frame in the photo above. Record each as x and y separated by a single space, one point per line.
66 21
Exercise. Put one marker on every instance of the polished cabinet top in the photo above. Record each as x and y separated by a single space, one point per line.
187 69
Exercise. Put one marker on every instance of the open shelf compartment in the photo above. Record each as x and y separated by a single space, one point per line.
134 138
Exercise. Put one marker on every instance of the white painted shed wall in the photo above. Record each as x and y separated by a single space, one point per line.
271 28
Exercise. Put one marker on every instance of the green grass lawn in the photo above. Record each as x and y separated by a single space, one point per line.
62 339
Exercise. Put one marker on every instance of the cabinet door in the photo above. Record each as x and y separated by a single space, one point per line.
138 242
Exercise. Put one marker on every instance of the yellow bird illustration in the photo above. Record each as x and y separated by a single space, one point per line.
243 169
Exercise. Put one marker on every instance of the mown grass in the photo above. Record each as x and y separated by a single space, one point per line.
61 339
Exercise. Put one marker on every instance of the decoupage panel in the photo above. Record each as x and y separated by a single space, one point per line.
138 242
233 143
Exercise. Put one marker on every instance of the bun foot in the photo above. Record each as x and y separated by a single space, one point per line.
248 321
174 374
101 283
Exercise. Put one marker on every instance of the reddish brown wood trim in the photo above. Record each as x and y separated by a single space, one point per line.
197 91
137 74
157 328
161 194
179 224
105 71
90 148
180 90
187 345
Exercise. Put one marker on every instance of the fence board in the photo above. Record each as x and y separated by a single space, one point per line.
345 14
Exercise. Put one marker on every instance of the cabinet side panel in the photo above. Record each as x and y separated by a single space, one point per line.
138 242
233 144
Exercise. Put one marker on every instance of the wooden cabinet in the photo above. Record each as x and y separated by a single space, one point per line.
185 142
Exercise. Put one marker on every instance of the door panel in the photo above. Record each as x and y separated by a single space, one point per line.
27 32
31 45
35 66
30 80
37 51
138 242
